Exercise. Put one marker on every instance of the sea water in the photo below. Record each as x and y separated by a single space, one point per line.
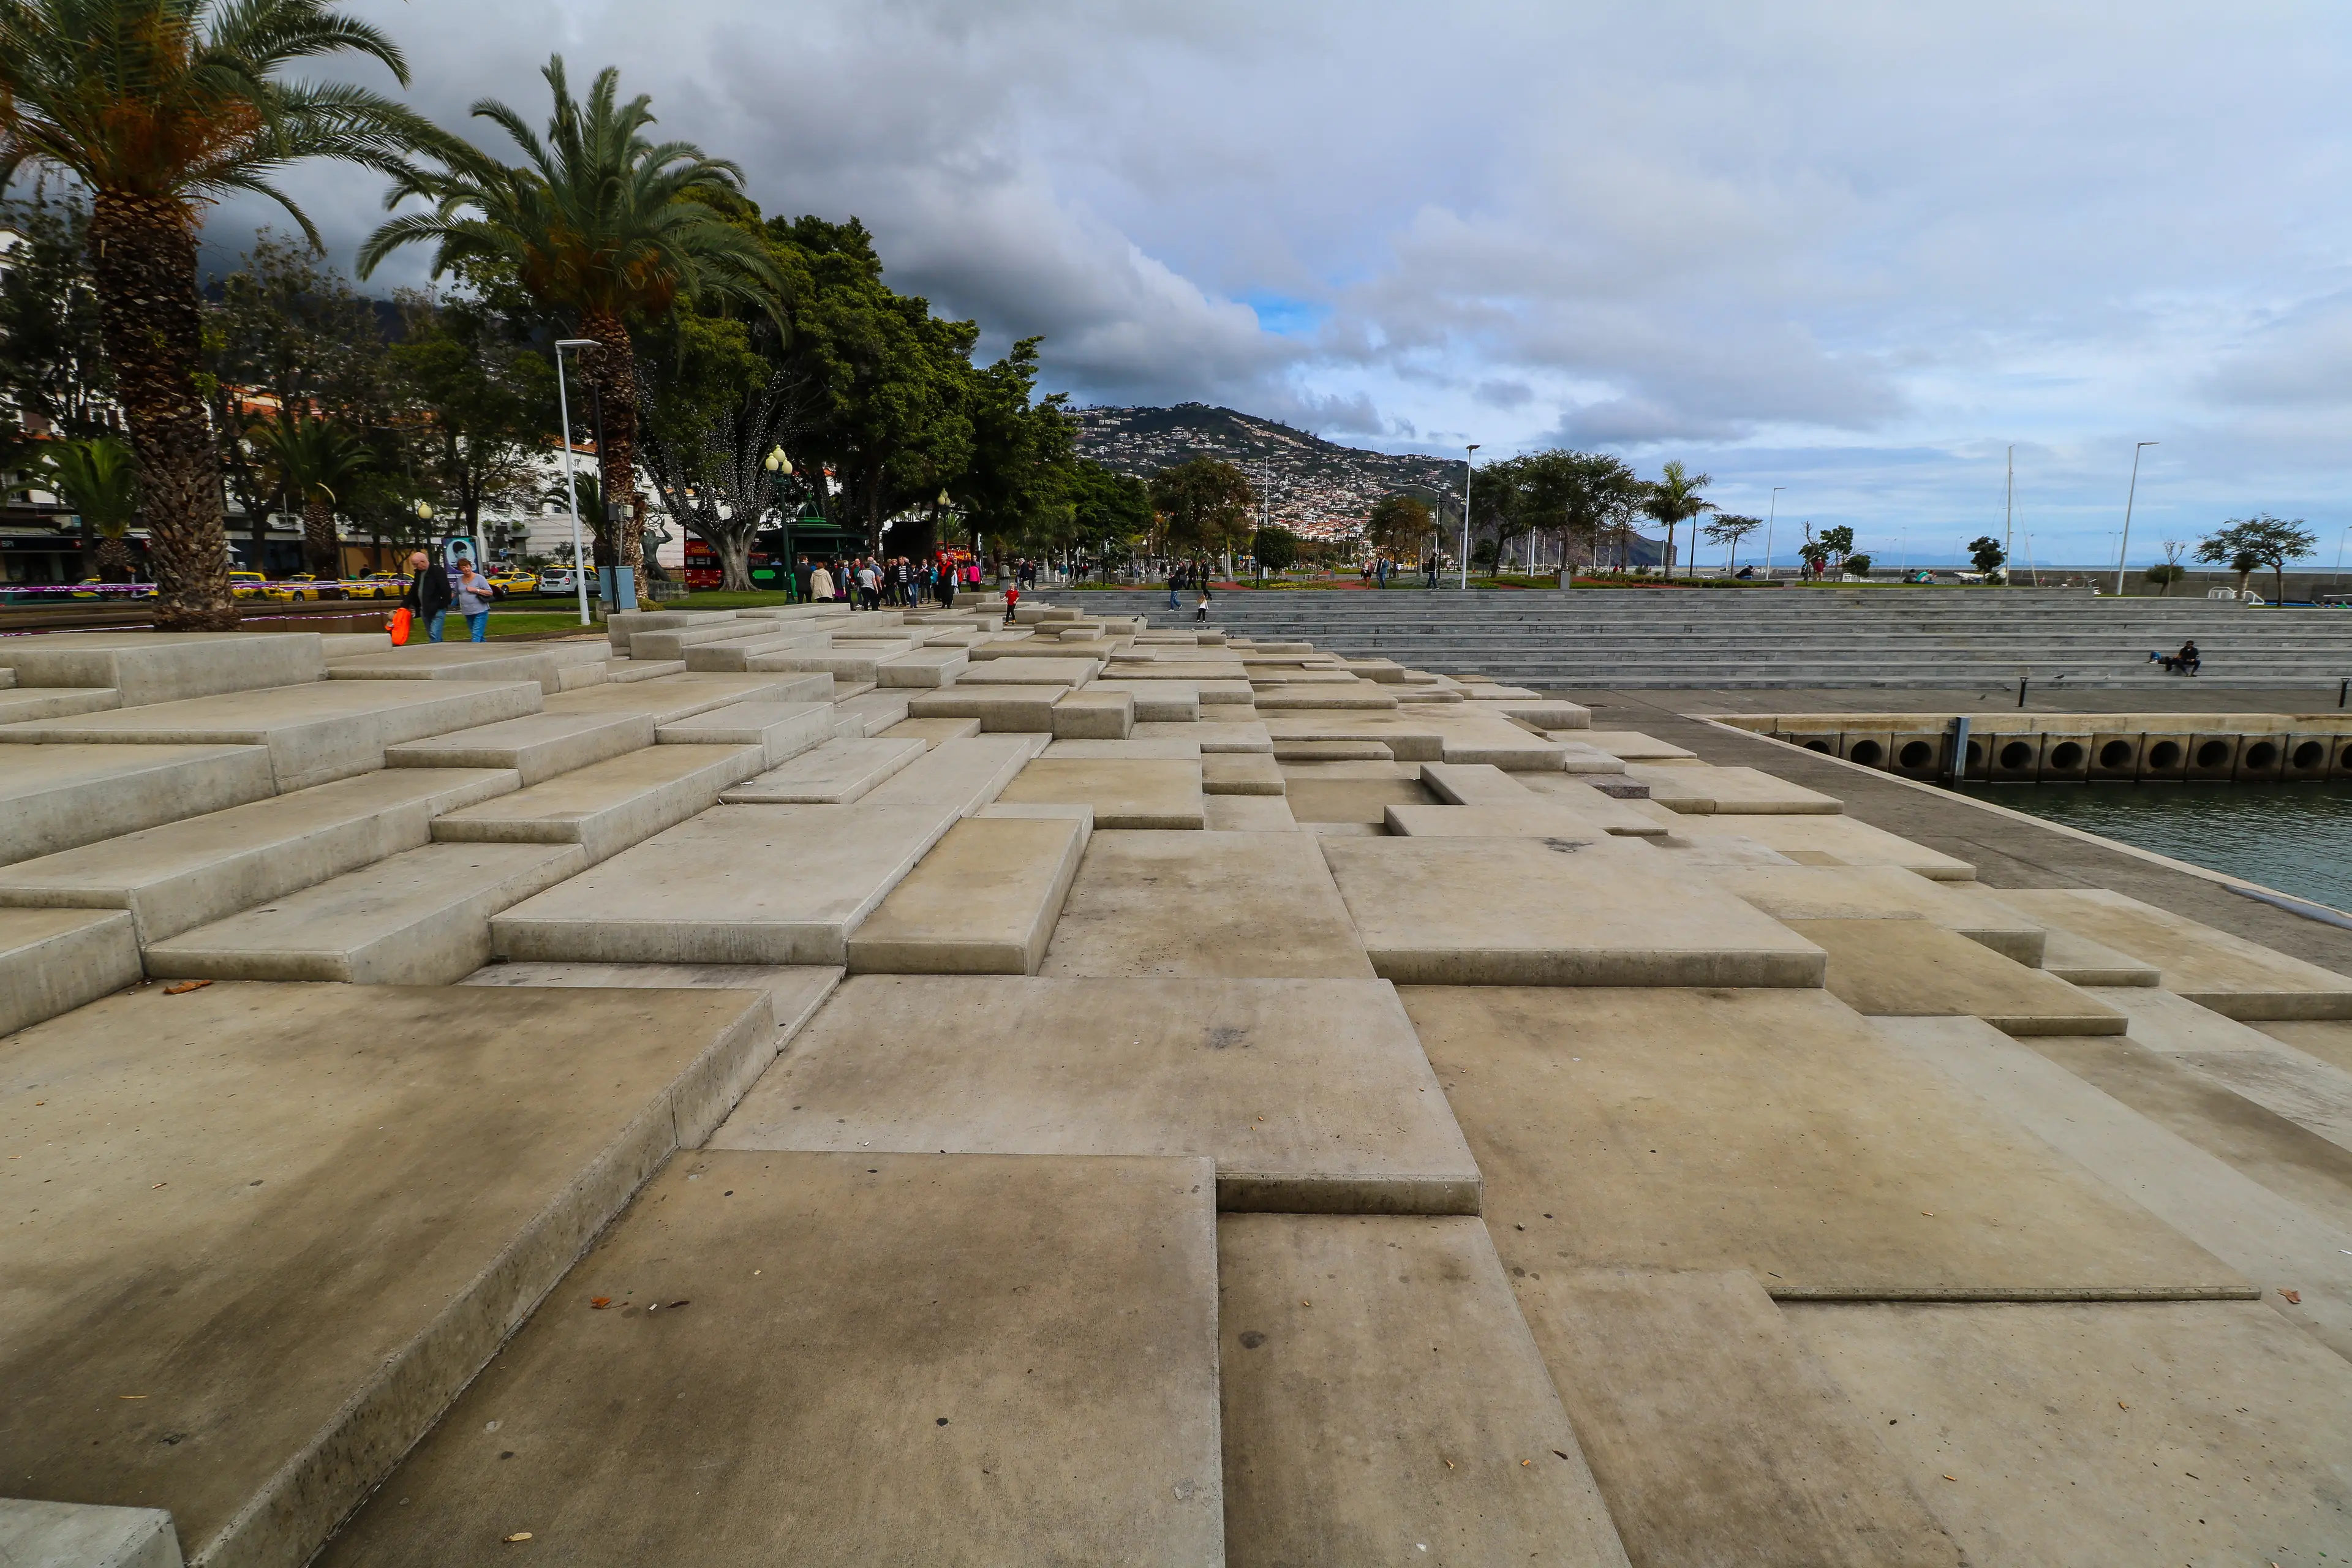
2295 838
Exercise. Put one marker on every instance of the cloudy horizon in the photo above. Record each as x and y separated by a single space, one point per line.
1852 252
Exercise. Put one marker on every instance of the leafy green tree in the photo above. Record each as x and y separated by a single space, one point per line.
159 108
1986 554
1728 528
718 409
2164 574
53 368
1206 505
485 403
1110 511
1019 482
312 460
1675 498
99 479
1858 564
1839 540
1398 527
600 225
2250 543
1274 549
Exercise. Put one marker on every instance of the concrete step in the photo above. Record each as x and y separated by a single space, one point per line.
870 713
734 653
166 666
56 702
984 901
1010 709
315 733
406 1171
626 671
856 659
671 697
543 662
537 748
609 805
87 1535
834 773
1063 1408
61 796
53 961
923 667
780 730
186 874
418 918
671 642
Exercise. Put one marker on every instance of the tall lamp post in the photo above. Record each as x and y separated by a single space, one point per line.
1467 462
2129 497
1771 517
571 485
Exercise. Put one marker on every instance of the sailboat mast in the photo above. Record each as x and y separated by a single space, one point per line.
2009 507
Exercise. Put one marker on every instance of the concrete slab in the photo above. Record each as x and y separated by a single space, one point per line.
1729 849
1298 696
53 961
1536 819
2104 1435
1714 1435
418 919
1061 1407
1092 715
628 671
1829 841
1884 893
1327 794
1247 813
1216 731
868 713
1497 913
148 668
737 652
2304 1090
1914 969
780 729
185 874
1579 757
316 733
931 731
1312 1096
63 796
672 698
1123 793
1604 811
1156 701
2270 1231
331 1209
2075 959
86 1535
537 748
540 662
1287 752
2233 977
1632 746
1212 905
606 807
984 901
19 705
1181 749
1699 790
997 707
1241 772
1057 671
2328 1041
1339 1449
738 884
834 773
1774 1132
794 992
962 775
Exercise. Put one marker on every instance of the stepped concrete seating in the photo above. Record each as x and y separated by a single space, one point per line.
844 658
70 1533
1065 1410
422 918
609 805
834 773
60 796
2226 973
931 731
544 662
148 668
982 902
1094 715
780 729
1156 701
735 653
762 884
675 697
53 961
21 704
1312 1096
925 665
537 748
868 712
332 1209
1123 791
315 734
671 642
630 670
997 707
190 873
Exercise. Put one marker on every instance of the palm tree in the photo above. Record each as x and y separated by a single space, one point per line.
310 460
160 107
1675 497
99 479
598 224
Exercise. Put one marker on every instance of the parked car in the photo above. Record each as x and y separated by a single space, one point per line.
302 585
506 581
378 586
557 579
247 584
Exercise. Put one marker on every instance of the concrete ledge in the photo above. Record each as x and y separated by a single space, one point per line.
61 797
542 662
982 902
1123 793
781 731
923 667
538 748
19 706
998 707
868 713
609 806
85 1535
1092 715
1914 968
166 667
834 773
53 961
1157 701
1241 772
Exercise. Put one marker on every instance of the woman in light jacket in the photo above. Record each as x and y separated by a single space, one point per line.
820 584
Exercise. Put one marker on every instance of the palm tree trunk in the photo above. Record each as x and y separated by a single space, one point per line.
144 253
614 367
321 550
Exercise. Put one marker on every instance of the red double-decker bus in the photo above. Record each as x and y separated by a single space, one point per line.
702 570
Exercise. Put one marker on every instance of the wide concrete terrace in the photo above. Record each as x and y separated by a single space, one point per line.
897 1087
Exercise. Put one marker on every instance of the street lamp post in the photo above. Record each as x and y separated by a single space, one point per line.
1467 462
1771 517
571 486
2129 497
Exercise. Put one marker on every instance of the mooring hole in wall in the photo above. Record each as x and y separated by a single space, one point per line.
2212 754
1976 755
1916 754
2016 754
2260 754
1817 745
1866 752
2310 754
2163 754
2344 759
2115 754
2066 755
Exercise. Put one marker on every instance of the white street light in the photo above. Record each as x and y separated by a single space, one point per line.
777 464
571 486
1466 463
2129 497
1771 517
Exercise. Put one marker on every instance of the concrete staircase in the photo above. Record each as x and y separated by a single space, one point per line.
1602 639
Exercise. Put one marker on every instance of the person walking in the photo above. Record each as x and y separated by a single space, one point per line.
1172 577
1430 566
1012 598
426 596
820 585
472 596
1200 609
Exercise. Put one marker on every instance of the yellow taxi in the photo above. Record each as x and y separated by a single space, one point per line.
376 585
247 584
507 581
303 585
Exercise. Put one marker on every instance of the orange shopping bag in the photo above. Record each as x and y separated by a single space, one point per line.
398 626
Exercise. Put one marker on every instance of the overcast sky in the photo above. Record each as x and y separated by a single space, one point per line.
1853 249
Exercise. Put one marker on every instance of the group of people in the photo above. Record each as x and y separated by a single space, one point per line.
870 581
433 592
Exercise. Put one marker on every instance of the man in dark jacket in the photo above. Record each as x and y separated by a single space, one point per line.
428 595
